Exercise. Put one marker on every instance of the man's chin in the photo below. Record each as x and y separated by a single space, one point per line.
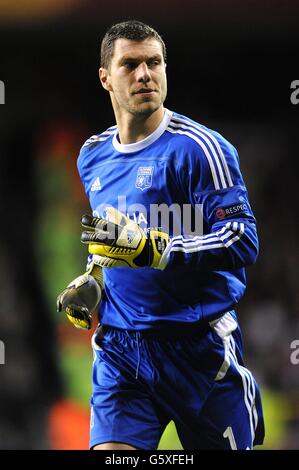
145 109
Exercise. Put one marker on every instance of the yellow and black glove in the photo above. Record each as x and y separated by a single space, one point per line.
119 241
81 297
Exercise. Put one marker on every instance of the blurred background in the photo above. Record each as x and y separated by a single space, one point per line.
230 67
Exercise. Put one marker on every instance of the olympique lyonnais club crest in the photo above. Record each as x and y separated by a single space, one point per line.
144 178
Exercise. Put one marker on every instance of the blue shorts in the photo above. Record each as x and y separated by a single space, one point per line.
143 381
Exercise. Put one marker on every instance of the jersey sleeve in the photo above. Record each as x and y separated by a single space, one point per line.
229 238
82 165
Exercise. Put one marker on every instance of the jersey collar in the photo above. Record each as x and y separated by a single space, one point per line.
142 144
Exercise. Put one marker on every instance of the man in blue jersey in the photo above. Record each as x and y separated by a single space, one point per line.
169 345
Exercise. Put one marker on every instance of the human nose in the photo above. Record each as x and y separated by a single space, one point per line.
142 73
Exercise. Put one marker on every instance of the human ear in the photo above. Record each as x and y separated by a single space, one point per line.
105 79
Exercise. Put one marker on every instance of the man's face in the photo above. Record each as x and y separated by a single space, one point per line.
136 77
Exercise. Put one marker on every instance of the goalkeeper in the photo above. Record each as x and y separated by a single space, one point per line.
168 346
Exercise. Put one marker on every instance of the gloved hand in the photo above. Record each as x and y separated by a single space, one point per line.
81 297
119 241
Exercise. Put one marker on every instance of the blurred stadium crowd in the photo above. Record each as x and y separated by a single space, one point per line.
229 67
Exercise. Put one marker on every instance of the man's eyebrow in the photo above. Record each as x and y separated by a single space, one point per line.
140 58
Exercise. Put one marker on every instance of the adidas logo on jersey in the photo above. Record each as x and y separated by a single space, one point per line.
96 185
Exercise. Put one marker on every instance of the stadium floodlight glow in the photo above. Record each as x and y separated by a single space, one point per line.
2 92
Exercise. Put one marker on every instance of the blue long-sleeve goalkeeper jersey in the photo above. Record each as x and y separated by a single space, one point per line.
182 165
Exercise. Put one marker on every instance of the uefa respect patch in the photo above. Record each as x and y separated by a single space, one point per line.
227 211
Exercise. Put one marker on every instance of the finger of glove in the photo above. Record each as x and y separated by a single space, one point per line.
104 231
78 320
106 262
58 305
107 236
77 309
91 222
65 301
94 237
115 216
99 249
112 215
59 301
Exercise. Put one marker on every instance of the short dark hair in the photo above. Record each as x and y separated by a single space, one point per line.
131 29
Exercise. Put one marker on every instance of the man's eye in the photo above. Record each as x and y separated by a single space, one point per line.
129 65
154 63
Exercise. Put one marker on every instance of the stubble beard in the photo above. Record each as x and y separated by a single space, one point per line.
142 110
147 108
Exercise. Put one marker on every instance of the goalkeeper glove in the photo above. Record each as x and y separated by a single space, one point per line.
119 241
81 297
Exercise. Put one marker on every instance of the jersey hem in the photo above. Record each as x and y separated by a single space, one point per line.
134 442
